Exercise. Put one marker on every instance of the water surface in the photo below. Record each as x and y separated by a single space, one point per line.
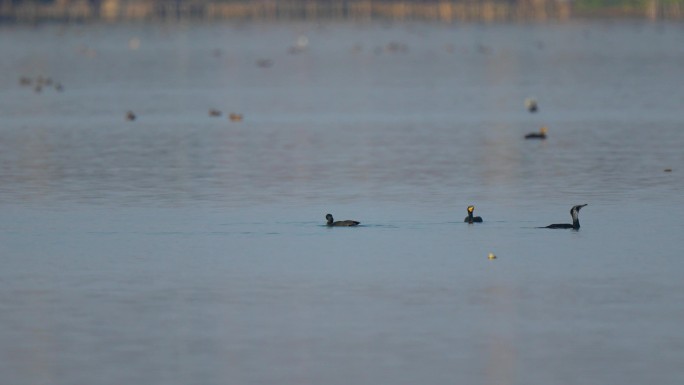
181 248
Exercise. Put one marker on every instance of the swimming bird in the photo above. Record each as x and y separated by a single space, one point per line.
538 135
574 212
234 117
531 104
470 218
346 223
130 116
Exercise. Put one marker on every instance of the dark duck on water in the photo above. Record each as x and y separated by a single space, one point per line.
574 212
538 135
347 223
470 218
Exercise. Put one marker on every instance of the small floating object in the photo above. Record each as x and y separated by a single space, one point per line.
25 81
300 45
130 116
59 87
264 63
491 256
134 43
214 112
531 104
394 47
235 117
538 135
668 170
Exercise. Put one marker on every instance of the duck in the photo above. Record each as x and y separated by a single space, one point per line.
538 135
347 223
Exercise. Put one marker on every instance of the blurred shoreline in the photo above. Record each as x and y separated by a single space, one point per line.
445 11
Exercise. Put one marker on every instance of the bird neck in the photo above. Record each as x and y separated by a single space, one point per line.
575 220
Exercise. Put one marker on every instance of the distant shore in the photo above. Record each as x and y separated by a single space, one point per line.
447 11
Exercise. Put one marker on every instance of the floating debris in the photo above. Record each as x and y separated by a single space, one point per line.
235 117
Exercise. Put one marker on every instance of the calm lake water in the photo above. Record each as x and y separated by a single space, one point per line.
181 248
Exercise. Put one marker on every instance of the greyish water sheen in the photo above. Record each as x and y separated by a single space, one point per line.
182 248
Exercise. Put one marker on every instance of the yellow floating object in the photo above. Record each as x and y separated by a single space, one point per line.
492 256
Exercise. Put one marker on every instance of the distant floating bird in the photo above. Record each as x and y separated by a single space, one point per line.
491 256
130 116
235 117
537 135
214 112
574 213
300 45
264 63
531 104
394 47
346 223
59 87
25 81
470 218
668 170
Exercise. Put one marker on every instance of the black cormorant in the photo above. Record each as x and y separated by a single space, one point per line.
470 218
537 135
346 223
574 212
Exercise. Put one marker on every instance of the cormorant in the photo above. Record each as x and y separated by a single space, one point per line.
537 135
470 218
346 223
574 212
